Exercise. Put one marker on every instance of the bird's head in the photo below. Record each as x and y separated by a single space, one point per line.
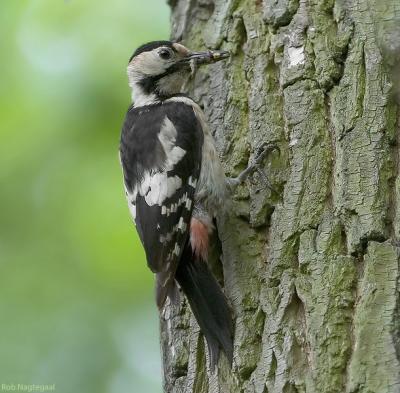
159 69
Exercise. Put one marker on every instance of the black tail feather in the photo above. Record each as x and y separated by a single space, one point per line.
208 304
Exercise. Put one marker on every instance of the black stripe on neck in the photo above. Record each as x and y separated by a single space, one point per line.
149 83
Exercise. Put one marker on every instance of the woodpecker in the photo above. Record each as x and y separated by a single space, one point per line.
175 184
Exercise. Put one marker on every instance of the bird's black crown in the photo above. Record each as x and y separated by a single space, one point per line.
150 46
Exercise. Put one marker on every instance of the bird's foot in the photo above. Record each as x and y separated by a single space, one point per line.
262 152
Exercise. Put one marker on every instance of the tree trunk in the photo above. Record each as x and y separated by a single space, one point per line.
311 266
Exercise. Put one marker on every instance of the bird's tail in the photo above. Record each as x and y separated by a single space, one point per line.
208 304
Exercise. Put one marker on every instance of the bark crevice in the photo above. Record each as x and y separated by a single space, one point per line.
312 271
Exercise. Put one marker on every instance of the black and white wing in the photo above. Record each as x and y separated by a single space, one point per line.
160 153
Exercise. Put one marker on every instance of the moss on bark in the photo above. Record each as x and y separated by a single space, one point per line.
311 270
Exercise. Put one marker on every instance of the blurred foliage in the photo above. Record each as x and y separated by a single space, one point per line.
76 297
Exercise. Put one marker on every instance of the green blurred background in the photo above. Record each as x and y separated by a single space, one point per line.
76 297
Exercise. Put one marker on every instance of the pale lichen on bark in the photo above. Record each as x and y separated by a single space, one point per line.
311 269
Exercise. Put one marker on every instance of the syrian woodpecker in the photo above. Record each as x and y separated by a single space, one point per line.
175 184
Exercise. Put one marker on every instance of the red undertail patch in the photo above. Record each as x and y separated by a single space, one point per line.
199 238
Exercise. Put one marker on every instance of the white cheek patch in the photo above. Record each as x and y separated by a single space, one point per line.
149 61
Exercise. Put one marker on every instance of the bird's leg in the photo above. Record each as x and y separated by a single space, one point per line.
233 182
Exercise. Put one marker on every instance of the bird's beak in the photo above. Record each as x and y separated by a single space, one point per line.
194 59
208 57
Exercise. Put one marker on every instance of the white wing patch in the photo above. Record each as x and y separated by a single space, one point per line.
167 137
156 187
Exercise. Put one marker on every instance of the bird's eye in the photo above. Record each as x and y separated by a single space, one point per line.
165 54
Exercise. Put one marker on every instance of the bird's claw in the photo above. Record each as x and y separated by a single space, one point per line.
262 151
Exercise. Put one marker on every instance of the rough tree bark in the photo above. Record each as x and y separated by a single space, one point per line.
312 269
